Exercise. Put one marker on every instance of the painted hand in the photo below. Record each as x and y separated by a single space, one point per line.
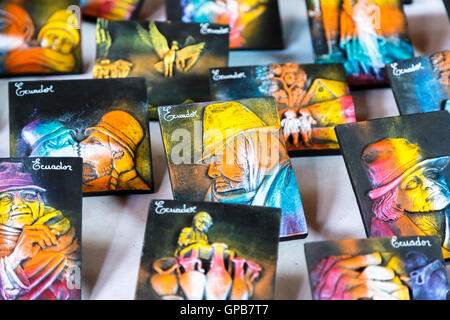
31 241
360 277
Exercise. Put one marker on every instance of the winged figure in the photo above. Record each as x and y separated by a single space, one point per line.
183 58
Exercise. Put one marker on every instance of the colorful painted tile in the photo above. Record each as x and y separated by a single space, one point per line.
103 121
254 24
208 251
40 37
421 84
364 35
393 268
232 152
173 57
40 228
312 99
400 174
111 9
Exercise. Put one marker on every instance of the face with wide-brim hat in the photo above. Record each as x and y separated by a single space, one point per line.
399 165
20 198
231 135
116 137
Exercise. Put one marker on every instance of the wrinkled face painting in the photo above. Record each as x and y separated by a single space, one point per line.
97 156
424 190
19 208
227 171
58 40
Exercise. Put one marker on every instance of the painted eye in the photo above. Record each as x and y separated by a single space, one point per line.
29 196
412 184
6 198
95 141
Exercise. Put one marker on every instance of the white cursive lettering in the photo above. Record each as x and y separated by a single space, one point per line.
60 166
216 76
22 92
399 71
169 116
410 243
184 209
205 29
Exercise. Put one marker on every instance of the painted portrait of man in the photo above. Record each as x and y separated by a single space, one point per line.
24 48
108 152
109 132
39 248
108 149
248 163
409 191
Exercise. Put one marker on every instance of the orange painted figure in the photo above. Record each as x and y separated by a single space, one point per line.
109 154
38 246
53 50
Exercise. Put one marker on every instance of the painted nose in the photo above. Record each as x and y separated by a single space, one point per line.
17 202
213 171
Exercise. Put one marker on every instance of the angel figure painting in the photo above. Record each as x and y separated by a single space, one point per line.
184 58
364 35
173 57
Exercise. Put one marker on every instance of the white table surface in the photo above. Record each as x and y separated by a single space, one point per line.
114 226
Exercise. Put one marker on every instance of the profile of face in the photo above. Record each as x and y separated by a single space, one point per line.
19 208
57 40
227 168
99 151
62 145
424 190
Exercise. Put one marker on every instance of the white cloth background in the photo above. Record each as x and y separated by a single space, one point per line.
113 226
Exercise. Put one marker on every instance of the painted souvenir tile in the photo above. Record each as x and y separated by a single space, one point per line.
103 121
393 268
40 37
208 251
400 174
421 84
311 100
364 35
40 229
254 24
232 152
111 9
173 57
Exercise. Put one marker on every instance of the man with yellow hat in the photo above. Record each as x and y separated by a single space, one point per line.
409 191
109 154
248 163
58 39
